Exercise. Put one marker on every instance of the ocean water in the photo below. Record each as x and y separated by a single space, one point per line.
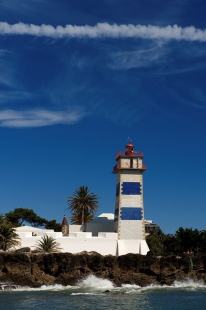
90 294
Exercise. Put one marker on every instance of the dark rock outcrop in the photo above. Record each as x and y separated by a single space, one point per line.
36 269
23 250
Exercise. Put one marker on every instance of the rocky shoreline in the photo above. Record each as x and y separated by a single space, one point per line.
36 269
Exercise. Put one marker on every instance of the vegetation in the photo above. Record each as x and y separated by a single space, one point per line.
2 219
22 216
53 225
8 237
183 241
76 218
48 244
82 205
155 242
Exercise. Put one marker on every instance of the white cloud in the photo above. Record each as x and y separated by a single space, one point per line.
102 30
9 78
13 95
23 5
139 58
38 118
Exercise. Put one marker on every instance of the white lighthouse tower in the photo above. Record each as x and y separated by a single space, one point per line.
129 207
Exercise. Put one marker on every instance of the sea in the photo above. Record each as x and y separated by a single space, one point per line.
95 293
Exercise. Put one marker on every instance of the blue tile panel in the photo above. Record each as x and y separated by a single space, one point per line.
117 190
131 213
131 188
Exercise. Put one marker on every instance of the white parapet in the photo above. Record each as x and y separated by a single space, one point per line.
103 246
51 234
81 235
108 235
106 243
132 246
76 228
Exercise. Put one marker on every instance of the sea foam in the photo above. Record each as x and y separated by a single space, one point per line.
93 285
96 283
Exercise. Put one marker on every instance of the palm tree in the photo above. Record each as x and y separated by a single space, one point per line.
48 244
76 218
8 238
82 205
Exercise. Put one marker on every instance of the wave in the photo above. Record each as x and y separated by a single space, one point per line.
96 283
93 285
189 283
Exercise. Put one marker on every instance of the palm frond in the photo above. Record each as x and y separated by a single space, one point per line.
83 204
8 238
47 244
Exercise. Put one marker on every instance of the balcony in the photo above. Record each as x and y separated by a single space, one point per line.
118 166
122 153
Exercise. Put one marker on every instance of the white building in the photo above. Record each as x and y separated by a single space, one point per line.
116 234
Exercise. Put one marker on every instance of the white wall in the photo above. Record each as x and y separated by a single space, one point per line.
105 242
132 246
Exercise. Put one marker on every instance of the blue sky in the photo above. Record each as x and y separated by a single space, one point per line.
77 78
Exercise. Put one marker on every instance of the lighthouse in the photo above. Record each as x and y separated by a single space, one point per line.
129 206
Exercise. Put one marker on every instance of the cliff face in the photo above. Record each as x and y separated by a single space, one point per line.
29 269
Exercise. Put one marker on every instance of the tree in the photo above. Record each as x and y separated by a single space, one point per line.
189 239
202 246
48 244
2 218
155 242
53 225
82 205
171 246
8 238
21 215
76 218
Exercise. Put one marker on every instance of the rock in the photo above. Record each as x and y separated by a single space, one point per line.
23 250
36 269
8 287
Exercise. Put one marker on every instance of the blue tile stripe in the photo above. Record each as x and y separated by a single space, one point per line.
131 213
131 188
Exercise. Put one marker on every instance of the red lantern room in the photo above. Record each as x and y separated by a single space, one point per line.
129 149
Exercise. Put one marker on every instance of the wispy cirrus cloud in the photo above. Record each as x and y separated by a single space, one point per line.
143 57
38 118
11 88
6 68
23 5
9 96
104 30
